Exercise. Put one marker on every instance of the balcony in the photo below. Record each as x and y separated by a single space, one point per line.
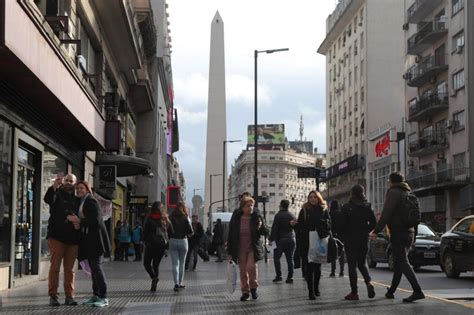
119 22
428 105
428 33
443 178
420 9
424 71
428 144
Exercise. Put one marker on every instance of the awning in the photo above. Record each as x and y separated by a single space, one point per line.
126 165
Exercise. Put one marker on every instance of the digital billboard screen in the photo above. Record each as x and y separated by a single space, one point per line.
266 134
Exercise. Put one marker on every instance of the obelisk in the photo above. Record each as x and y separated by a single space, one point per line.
216 120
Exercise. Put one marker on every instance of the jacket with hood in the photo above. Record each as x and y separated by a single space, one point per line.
356 220
392 213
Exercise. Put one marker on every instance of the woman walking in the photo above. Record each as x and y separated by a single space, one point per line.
155 236
313 216
355 223
94 242
244 245
178 244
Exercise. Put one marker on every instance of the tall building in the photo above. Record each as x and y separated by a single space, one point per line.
79 94
437 96
216 117
364 49
277 179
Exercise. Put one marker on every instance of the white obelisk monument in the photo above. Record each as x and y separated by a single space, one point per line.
216 120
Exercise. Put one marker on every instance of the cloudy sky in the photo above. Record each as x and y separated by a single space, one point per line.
290 83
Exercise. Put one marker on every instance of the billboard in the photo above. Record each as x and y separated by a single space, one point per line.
266 134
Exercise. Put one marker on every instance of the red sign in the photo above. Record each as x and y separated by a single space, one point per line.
382 147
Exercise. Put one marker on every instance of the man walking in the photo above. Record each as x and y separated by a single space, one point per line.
63 237
194 241
284 236
334 213
402 236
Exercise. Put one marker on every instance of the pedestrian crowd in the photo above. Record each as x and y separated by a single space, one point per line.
321 234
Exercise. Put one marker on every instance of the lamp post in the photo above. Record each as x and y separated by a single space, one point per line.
255 178
210 188
224 177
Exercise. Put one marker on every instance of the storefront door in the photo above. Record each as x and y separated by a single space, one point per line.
25 244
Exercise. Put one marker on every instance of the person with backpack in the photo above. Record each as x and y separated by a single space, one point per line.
354 224
137 235
401 213
155 236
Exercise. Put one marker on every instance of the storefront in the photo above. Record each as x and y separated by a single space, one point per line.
33 152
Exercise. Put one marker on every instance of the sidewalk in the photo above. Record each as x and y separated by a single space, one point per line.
206 293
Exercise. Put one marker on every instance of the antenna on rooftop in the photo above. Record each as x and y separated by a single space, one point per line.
301 128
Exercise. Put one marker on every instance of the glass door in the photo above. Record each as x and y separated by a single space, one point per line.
24 245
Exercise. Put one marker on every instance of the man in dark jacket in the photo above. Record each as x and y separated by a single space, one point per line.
334 213
63 237
194 242
402 237
218 240
284 236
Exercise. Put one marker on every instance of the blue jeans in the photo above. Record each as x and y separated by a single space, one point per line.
178 249
287 246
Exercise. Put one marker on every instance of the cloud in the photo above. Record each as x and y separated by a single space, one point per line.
189 117
191 90
241 90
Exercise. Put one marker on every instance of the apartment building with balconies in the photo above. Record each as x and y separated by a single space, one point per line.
277 179
364 49
437 106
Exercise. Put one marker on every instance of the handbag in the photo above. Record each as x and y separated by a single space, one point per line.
231 276
318 248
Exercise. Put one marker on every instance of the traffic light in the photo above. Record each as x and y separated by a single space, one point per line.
174 196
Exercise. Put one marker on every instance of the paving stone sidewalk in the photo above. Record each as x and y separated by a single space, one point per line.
206 293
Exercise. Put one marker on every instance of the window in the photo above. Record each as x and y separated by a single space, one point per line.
362 40
6 134
356 99
458 121
361 68
458 5
361 15
458 80
362 95
459 160
355 47
329 56
442 90
466 226
355 25
458 42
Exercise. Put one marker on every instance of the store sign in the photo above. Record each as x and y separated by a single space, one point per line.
382 147
351 163
137 203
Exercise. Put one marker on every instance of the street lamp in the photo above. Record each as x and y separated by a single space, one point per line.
223 169
210 186
255 178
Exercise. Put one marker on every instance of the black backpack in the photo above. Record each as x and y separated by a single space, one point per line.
158 235
412 213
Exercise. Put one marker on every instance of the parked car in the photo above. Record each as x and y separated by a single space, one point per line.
424 252
457 248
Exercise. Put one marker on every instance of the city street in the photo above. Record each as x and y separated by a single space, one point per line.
206 293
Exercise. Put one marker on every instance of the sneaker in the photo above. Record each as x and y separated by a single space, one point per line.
317 293
176 288
341 274
289 280
370 291
91 301
101 303
389 294
54 301
312 297
245 297
332 275
70 302
278 279
254 293
352 297
154 282
182 286
414 297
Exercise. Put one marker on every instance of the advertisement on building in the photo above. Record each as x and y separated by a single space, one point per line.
266 134
131 133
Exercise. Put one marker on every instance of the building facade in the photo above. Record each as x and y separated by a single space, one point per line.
78 80
364 88
437 97
277 179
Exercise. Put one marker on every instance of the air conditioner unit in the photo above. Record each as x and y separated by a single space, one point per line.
448 124
410 163
418 59
459 49
406 26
